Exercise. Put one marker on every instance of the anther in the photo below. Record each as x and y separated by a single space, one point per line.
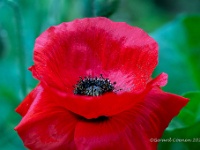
93 86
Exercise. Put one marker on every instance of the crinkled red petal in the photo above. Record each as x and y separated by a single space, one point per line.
94 46
46 125
106 105
134 128
89 107
26 103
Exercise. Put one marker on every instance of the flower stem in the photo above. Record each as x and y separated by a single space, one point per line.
20 45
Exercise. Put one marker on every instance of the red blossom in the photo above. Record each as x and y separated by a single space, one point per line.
127 107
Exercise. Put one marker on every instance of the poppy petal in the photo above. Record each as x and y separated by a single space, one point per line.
87 107
107 105
47 126
26 103
160 80
132 129
94 46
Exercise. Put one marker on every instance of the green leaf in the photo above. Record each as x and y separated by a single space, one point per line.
182 139
184 127
190 114
192 50
179 54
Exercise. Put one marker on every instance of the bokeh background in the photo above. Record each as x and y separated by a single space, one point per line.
175 24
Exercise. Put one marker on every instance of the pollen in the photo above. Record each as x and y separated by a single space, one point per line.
93 86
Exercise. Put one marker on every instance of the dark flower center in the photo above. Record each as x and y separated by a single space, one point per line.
99 119
93 86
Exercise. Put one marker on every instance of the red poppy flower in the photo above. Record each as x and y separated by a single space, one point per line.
96 90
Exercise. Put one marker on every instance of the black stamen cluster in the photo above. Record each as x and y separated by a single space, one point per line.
93 86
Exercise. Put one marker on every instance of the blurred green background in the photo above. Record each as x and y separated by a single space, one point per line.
175 24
